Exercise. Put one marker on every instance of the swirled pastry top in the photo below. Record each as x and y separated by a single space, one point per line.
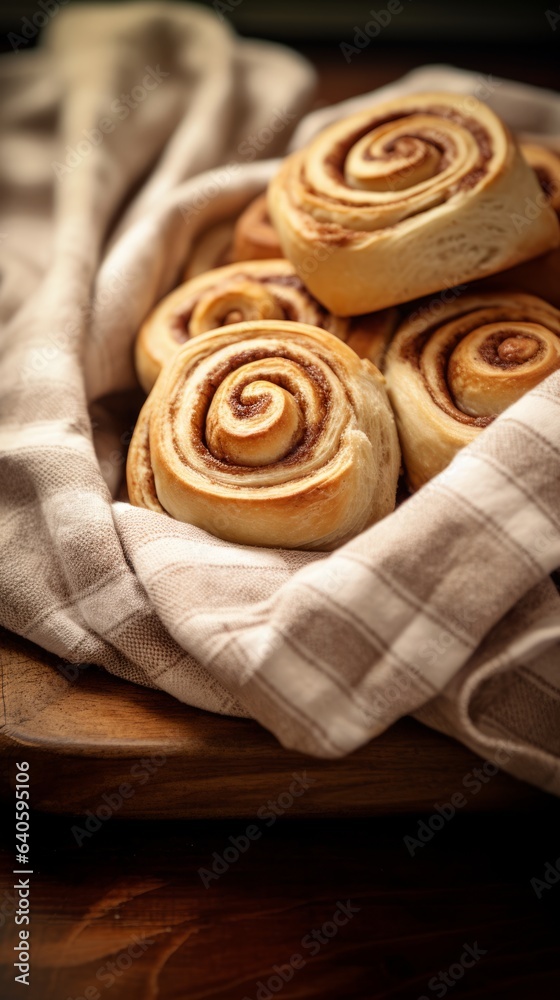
247 291
267 433
411 196
452 371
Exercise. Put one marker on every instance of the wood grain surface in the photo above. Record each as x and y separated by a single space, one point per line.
127 916
86 736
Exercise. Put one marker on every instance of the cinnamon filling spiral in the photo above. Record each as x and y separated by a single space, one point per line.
247 292
393 167
448 380
254 422
267 436
241 300
478 365
256 413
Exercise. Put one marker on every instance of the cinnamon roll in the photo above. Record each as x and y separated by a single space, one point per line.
450 372
414 195
252 290
267 433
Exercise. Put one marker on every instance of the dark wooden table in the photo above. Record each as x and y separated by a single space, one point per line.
128 913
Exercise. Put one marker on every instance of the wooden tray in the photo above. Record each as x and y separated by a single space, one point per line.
83 739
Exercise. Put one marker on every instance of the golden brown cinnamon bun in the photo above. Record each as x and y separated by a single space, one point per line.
450 373
414 195
267 433
251 290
